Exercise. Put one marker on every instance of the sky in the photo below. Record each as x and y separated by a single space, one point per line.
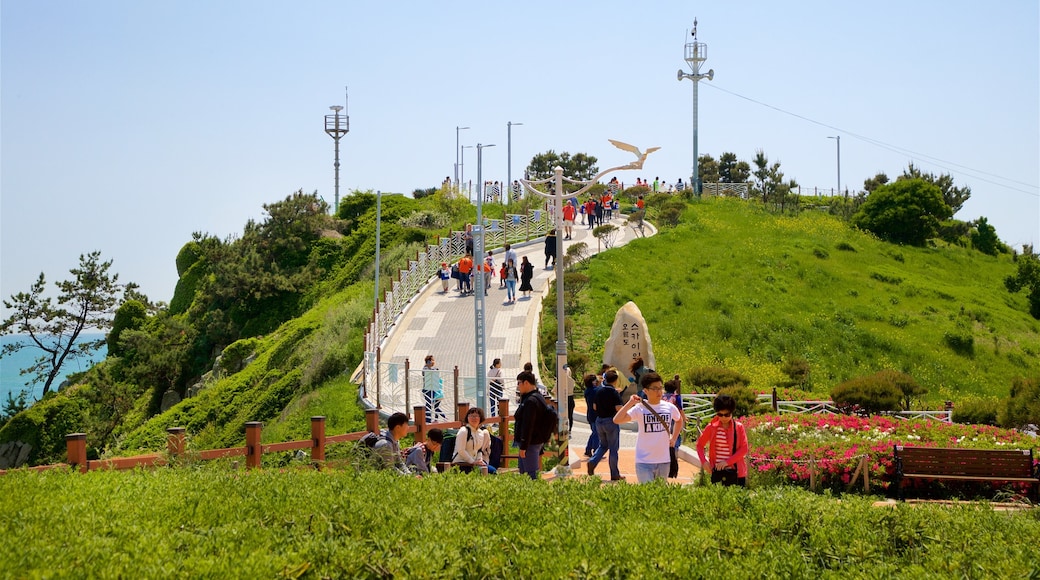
126 126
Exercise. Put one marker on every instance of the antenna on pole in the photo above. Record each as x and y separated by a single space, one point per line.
337 126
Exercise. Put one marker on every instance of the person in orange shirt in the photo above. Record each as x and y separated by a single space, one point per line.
465 271
568 219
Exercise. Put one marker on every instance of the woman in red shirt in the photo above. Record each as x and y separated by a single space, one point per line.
727 439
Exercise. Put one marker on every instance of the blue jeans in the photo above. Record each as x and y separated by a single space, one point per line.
609 440
593 443
510 289
646 472
531 463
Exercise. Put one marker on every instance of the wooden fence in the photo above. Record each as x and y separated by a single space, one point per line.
254 449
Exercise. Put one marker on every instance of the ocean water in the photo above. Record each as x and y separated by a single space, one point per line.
10 366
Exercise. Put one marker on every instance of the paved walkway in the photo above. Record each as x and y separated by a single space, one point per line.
441 324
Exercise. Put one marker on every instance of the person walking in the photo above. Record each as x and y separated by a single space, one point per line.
568 219
550 248
526 274
466 272
654 419
728 444
433 391
673 395
591 383
496 387
607 404
445 275
528 416
510 277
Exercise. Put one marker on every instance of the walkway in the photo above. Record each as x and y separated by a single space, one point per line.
441 324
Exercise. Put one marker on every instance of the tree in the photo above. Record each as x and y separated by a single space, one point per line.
770 182
84 302
1027 277
708 169
952 196
984 237
577 166
908 211
731 170
869 185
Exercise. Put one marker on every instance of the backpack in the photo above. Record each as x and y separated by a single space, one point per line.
548 424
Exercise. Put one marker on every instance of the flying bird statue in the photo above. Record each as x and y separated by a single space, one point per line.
638 164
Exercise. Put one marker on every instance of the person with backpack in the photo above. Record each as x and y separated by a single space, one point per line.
591 383
728 441
673 396
606 405
387 448
420 455
655 428
531 421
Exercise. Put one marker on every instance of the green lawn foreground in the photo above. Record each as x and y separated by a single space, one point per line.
208 522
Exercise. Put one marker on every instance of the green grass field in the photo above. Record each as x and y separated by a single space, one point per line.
736 286
213 523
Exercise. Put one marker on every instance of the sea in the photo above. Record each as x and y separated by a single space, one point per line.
11 382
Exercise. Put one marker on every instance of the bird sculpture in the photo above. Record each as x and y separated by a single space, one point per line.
638 164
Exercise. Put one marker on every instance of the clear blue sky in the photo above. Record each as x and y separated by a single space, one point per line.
128 125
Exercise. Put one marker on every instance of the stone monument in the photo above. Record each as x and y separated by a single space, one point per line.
629 340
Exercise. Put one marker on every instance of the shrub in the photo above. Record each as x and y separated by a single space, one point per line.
873 393
747 400
44 426
821 253
132 314
714 379
960 340
845 247
796 369
976 412
1023 406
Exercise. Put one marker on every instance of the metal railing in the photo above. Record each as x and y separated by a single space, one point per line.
698 407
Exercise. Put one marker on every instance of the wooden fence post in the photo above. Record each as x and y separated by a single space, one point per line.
460 411
76 448
253 451
503 423
419 417
372 420
175 442
318 438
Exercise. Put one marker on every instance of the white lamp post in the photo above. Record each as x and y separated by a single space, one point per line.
462 168
457 129
696 54
509 157
563 388
478 287
837 139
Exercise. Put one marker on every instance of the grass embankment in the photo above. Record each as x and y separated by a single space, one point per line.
735 286
214 523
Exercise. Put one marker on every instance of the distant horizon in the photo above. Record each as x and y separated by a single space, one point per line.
13 383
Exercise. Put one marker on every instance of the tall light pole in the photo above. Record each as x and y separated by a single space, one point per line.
478 287
462 168
337 126
837 139
696 54
509 157
457 129
562 386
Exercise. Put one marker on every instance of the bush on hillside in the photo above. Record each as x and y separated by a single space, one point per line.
747 400
132 315
873 394
45 425
797 371
908 211
976 412
714 379
1023 406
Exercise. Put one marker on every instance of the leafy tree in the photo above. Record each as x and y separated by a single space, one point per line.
770 181
905 212
132 314
708 169
420 193
577 166
607 234
731 170
1027 277
870 184
953 196
984 237
84 302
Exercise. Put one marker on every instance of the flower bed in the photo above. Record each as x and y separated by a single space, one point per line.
782 445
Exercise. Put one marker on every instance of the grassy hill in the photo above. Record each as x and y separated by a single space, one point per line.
736 286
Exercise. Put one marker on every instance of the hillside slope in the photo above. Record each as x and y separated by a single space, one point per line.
733 285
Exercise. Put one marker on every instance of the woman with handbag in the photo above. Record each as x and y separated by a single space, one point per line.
728 444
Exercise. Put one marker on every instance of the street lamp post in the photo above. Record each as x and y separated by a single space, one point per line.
457 129
563 387
509 157
462 168
837 139
696 54
478 287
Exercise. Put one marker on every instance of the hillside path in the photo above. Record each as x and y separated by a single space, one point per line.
441 324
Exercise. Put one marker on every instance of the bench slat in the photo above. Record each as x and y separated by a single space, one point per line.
1002 465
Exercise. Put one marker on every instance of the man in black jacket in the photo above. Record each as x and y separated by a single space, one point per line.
528 417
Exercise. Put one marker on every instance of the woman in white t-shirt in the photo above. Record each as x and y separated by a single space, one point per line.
473 443
658 425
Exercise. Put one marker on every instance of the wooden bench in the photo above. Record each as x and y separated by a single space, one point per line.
962 464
